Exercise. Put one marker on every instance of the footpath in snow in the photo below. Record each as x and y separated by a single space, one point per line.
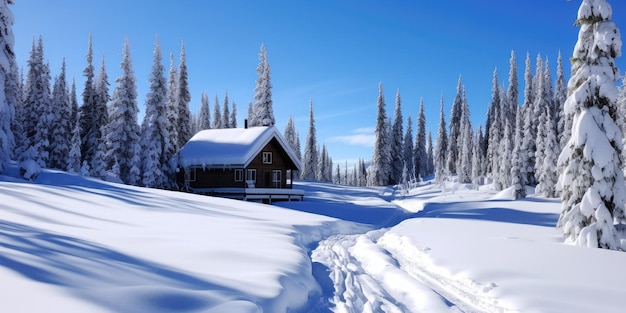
470 251
72 244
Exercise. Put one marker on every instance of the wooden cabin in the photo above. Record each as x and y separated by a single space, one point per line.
253 163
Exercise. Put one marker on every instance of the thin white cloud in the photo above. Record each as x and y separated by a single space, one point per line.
362 137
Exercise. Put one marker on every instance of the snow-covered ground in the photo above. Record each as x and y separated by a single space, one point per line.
71 244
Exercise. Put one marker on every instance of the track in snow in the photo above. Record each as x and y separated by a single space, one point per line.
367 278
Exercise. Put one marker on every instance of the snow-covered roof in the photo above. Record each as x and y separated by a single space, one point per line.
230 147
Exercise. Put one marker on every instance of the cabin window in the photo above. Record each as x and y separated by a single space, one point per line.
267 158
251 174
277 178
190 175
239 175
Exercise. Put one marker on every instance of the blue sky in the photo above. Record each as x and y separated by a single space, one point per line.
333 52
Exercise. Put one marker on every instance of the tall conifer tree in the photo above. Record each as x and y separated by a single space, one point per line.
592 180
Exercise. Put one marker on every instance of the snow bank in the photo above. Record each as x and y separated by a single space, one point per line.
75 244
506 256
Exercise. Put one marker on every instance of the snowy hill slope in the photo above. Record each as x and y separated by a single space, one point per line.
69 243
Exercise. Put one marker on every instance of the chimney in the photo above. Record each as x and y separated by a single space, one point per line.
245 123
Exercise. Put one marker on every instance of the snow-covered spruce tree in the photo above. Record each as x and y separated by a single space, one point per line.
324 166
183 97
73 105
528 138
204 116
494 128
455 129
592 181
441 149
226 112
73 158
430 163
100 167
37 108
123 130
233 115
548 177
541 132
309 162
465 142
512 92
17 122
217 114
397 141
476 160
154 137
59 123
560 95
172 104
506 150
408 153
89 122
263 112
291 136
380 169
518 175
421 157
621 119
8 83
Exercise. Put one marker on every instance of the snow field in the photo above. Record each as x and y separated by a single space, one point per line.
73 244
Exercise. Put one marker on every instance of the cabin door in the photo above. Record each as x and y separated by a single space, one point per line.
267 179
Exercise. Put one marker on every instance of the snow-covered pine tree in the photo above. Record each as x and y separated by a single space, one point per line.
99 166
183 98
73 105
154 137
512 92
621 120
172 104
73 159
455 129
592 180
233 115
123 130
548 177
541 132
504 167
217 114
560 95
322 165
17 122
430 163
408 151
528 147
59 124
38 107
494 128
309 164
204 117
291 136
465 142
8 83
380 169
476 160
263 112
89 127
226 112
441 149
420 156
518 175
397 141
